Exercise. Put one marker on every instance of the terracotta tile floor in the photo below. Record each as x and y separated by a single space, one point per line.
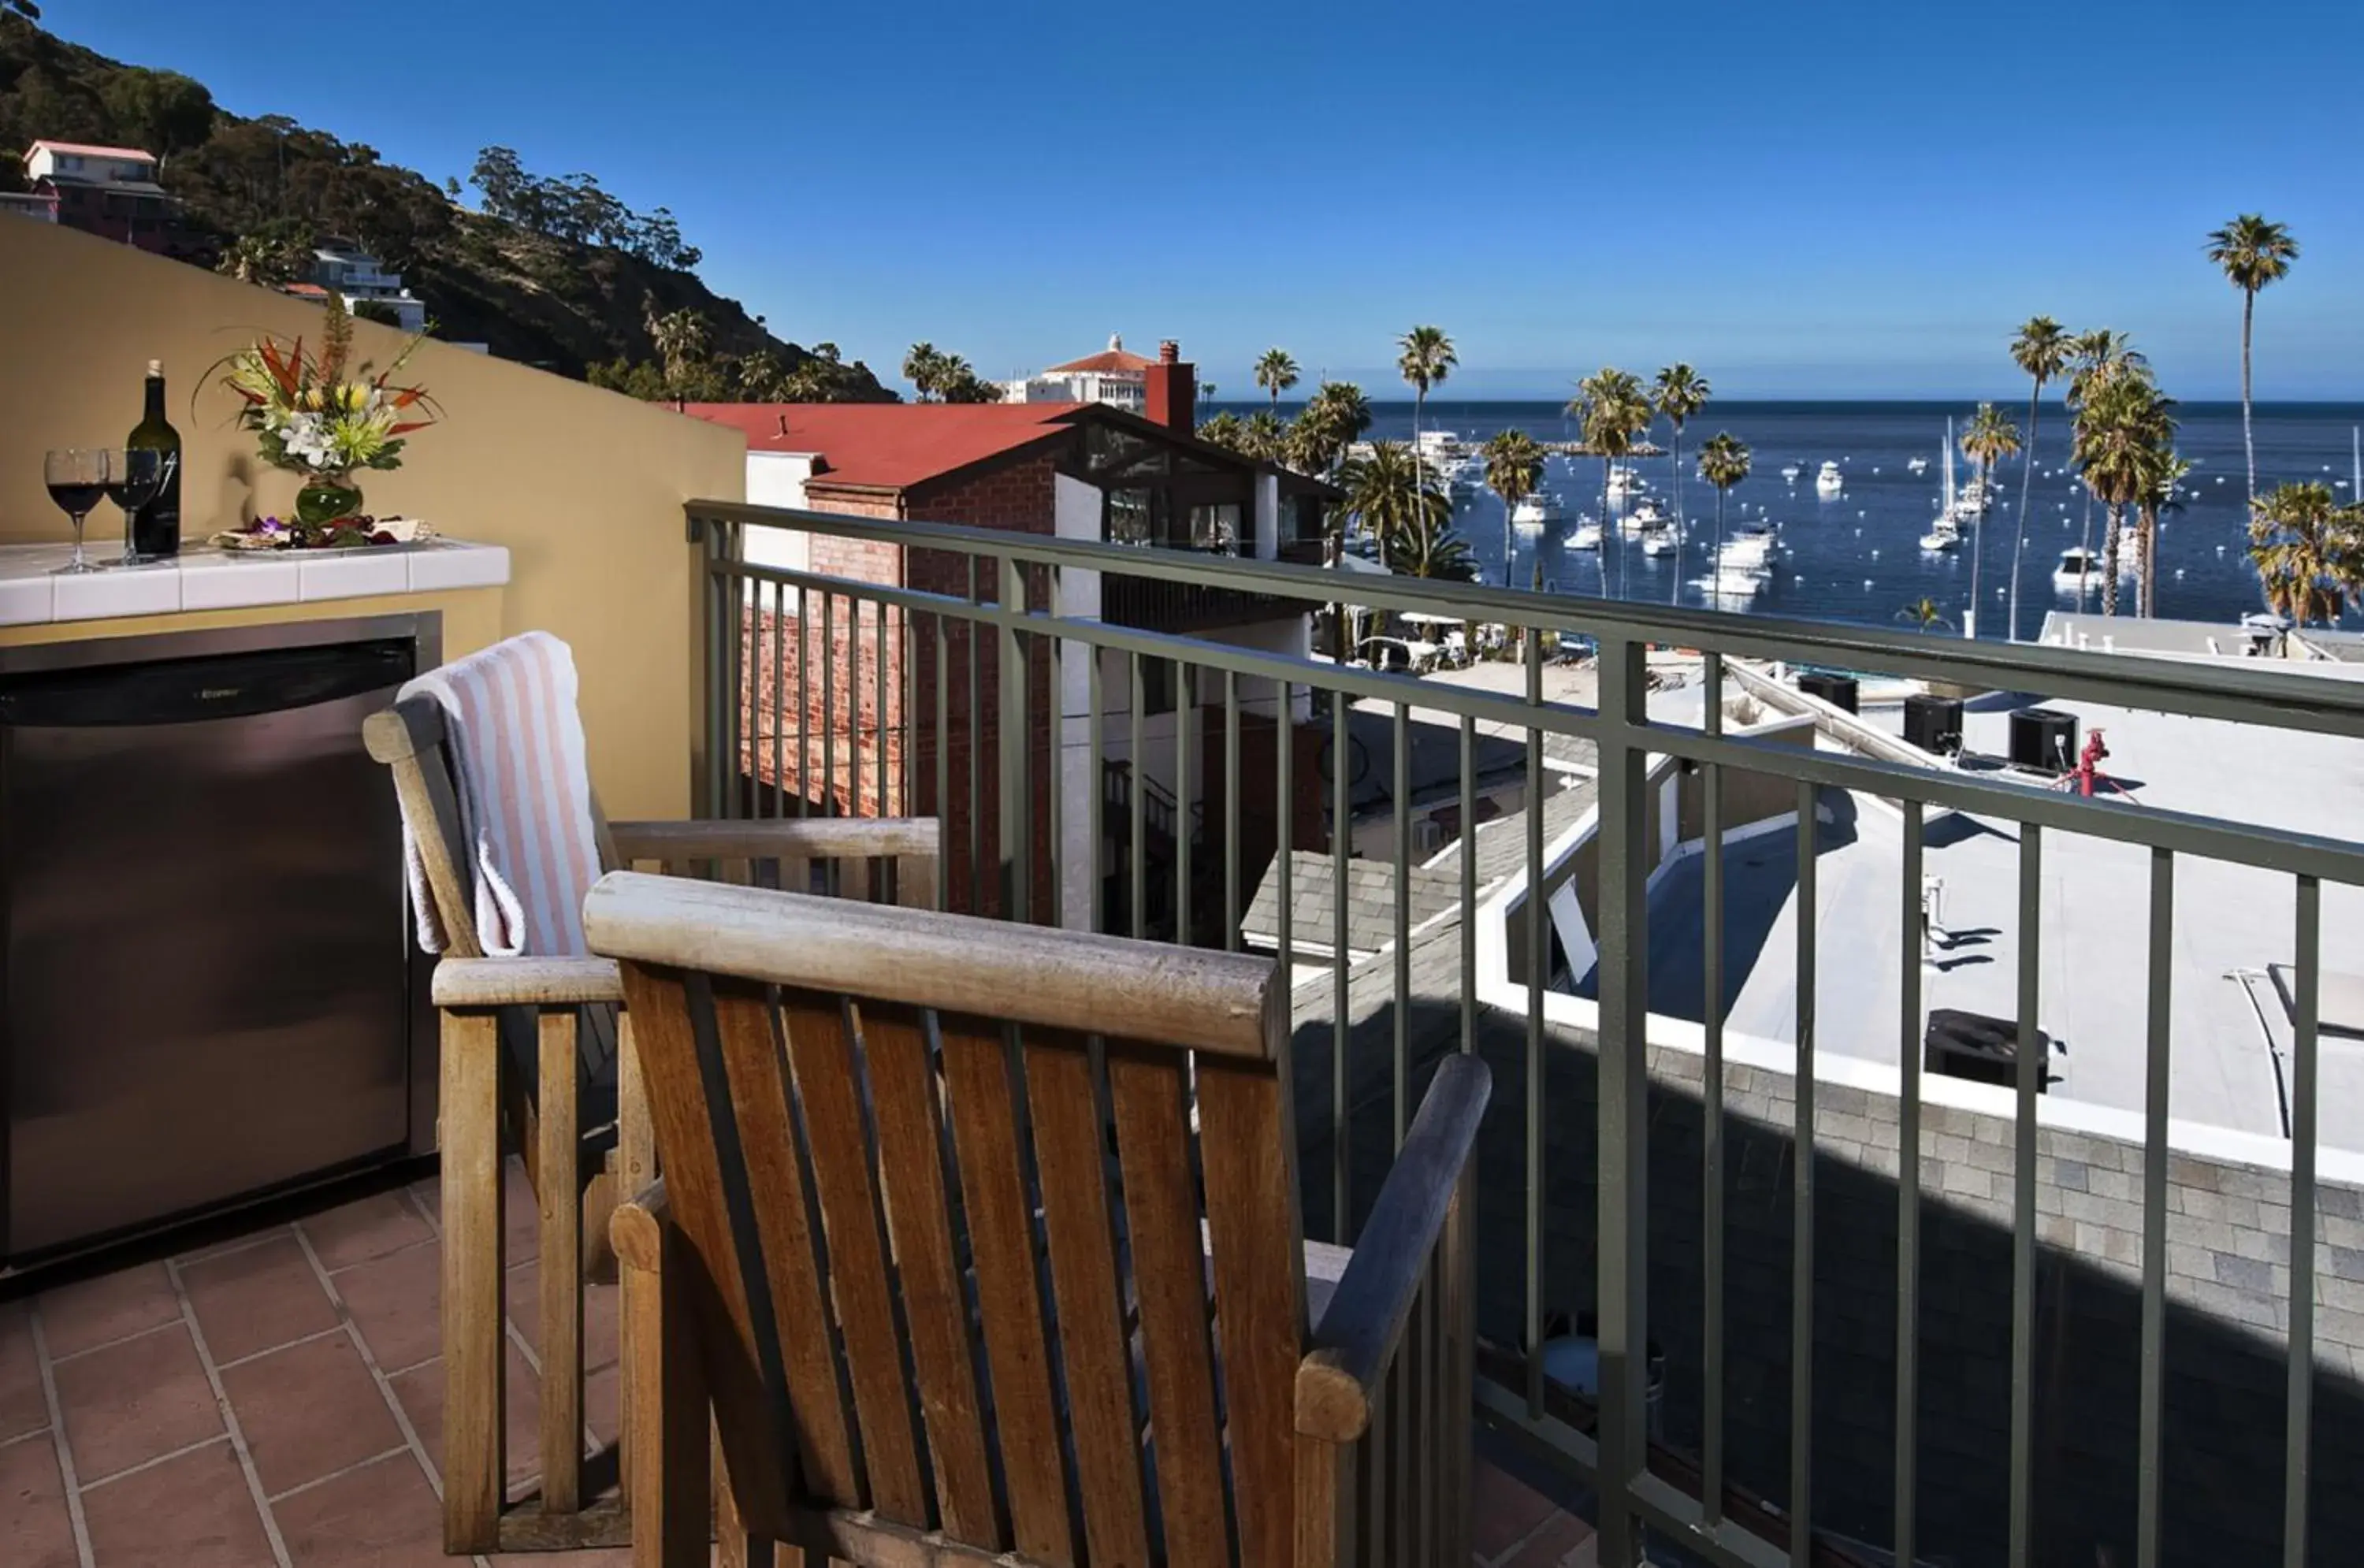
276 1401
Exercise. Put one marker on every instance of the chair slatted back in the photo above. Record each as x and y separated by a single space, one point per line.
959 1259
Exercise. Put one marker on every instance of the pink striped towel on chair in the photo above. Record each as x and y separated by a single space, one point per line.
525 797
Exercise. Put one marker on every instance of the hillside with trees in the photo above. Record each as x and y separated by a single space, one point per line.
553 272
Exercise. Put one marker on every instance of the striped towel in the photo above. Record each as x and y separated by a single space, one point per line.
525 797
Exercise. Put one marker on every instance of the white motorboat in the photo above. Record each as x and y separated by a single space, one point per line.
1916 465
2079 567
1943 534
1625 480
1586 537
1828 479
1644 516
1534 512
1750 549
1733 582
1790 471
1664 539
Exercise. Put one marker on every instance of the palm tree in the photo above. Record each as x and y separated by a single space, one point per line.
1262 435
1430 546
1679 392
2042 350
1986 441
1276 373
1426 359
1513 463
681 340
2308 549
1723 462
2094 358
923 367
1333 419
1925 615
1611 408
1391 494
2120 426
2252 254
1226 431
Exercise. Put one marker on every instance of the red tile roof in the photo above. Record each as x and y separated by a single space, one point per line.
891 445
1106 360
88 151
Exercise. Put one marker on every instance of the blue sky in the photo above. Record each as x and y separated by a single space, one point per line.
1800 199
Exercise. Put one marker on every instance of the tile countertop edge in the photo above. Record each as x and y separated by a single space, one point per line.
30 594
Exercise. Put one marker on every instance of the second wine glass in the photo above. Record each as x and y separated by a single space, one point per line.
133 477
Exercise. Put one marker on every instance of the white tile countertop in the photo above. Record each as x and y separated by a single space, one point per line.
208 579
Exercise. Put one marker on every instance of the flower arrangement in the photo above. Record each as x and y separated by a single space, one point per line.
320 414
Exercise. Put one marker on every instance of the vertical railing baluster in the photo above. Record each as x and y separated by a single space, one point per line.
2307 979
1801 1221
1014 738
944 684
779 803
1186 757
853 603
1095 785
735 592
879 644
1711 1151
1231 782
1136 794
1284 815
804 705
711 599
829 714
1623 992
2151 1452
1538 977
1468 859
1342 829
1400 786
2030 1078
1054 697
975 631
1908 1196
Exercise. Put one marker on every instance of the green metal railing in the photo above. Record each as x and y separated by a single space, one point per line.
967 667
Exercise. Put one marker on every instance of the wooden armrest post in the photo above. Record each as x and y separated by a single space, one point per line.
475 1460
670 1480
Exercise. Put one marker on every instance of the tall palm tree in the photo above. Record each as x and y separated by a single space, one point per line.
1514 462
1391 494
2042 350
1276 373
1427 358
1723 462
1611 408
2094 358
2308 549
2252 254
923 367
1679 392
1262 435
1987 439
2119 428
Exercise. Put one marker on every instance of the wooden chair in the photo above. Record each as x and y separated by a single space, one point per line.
939 1241
537 1046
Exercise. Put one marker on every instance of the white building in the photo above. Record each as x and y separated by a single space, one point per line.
1113 376
79 163
361 278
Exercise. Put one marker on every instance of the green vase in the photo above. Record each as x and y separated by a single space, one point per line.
326 498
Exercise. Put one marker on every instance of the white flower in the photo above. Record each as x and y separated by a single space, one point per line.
306 437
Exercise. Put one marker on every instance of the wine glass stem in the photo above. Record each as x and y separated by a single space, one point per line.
79 518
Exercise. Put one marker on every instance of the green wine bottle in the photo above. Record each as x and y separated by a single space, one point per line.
156 526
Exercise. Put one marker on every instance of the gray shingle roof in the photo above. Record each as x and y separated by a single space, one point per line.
1370 902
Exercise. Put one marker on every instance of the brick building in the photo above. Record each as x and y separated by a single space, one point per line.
829 680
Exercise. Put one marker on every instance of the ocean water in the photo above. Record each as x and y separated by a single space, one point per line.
1856 556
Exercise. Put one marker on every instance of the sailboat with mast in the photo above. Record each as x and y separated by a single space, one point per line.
1945 532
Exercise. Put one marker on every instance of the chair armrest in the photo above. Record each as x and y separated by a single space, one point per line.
638 1225
526 981
793 838
1356 1340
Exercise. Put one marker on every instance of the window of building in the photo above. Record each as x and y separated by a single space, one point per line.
69 164
1216 527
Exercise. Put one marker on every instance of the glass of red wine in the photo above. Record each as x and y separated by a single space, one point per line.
133 477
77 478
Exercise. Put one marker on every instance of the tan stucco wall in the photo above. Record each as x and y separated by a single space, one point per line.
585 487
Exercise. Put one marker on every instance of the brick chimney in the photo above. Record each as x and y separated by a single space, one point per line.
1170 390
